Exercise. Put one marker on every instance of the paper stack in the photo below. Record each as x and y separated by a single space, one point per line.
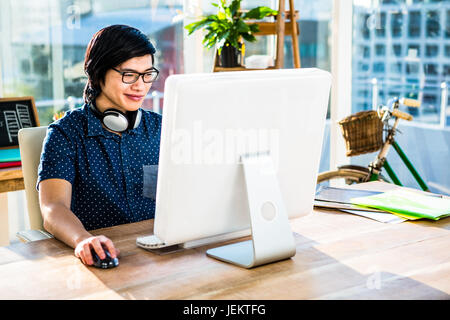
407 204
340 199
392 206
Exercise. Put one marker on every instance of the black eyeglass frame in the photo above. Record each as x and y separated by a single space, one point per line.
139 75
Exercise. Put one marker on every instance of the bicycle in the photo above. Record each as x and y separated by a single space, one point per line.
363 133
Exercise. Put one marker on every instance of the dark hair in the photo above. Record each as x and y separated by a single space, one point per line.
108 48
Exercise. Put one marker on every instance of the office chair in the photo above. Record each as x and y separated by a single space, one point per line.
30 144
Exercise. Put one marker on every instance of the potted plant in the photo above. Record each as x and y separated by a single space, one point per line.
227 29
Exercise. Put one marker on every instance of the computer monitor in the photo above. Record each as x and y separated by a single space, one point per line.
231 141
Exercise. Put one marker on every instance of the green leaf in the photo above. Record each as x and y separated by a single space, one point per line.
248 37
199 24
259 13
234 7
224 36
253 28
242 26
228 26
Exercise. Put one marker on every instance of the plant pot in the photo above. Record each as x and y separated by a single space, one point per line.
230 56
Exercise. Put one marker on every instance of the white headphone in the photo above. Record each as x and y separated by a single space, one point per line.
116 120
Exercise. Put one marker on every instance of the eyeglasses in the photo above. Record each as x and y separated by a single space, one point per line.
130 77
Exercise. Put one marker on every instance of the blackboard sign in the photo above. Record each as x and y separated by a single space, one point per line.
15 114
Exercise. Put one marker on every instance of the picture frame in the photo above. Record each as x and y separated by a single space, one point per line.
16 113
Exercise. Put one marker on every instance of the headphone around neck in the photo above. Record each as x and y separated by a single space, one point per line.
116 120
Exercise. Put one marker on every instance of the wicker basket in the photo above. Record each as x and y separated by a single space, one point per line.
363 132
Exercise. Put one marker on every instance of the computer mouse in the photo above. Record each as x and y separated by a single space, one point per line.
106 263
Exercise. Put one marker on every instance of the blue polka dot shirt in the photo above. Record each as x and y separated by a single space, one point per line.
105 169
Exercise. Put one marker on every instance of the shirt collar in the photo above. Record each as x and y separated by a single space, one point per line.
140 127
94 125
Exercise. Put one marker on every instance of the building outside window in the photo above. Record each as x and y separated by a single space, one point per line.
416 65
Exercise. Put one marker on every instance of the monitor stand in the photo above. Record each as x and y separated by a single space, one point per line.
272 237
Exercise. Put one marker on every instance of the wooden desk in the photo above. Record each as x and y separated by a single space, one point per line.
11 179
339 256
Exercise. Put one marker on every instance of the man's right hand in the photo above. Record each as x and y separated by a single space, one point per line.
98 243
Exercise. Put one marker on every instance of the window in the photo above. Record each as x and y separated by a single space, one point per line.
396 67
433 26
429 103
397 50
414 24
380 30
363 93
33 63
431 51
430 69
413 50
415 63
380 50
396 24
447 29
412 68
364 51
365 29
363 67
378 67
392 94
446 70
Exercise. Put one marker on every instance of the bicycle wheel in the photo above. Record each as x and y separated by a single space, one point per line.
365 170
349 175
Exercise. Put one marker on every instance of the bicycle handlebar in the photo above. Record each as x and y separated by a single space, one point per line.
402 115
410 102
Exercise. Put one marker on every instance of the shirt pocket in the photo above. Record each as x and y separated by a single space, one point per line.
150 181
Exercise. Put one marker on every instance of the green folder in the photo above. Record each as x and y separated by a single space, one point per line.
9 155
407 203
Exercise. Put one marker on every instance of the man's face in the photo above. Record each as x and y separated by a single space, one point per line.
119 95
